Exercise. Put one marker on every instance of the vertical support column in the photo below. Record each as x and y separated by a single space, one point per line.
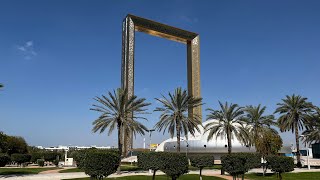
127 70
193 65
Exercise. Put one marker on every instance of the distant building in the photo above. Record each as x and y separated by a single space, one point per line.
198 144
67 148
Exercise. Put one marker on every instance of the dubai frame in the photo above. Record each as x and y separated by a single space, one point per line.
133 23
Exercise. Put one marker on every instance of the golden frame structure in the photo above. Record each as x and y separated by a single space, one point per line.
133 23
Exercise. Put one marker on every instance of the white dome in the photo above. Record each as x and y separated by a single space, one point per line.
199 140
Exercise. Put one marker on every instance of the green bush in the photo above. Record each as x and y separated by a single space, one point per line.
239 163
40 162
79 157
35 156
4 159
174 164
99 164
280 164
150 160
51 156
21 158
201 161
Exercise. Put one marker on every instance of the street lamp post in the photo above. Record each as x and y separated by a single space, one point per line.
150 132
187 146
307 146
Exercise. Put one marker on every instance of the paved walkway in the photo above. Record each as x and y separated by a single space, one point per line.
52 175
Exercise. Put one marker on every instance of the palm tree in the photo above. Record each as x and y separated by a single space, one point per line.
312 132
228 124
119 111
257 121
175 117
293 113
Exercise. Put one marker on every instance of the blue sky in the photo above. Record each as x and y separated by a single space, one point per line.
55 56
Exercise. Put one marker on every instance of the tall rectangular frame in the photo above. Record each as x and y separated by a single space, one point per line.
133 23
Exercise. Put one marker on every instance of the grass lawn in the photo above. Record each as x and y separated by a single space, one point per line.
285 176
184 177
134 168
123 168
212 167
26 170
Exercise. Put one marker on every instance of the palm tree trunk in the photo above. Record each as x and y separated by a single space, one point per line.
297 144
119 145
229 141
178 136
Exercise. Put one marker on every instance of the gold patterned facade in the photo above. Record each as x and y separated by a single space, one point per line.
133 23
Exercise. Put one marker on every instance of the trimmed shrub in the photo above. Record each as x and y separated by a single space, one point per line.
239 163
99 164
40 162
174 164
150 160
79 157
280 164
20 158
4 159
201 161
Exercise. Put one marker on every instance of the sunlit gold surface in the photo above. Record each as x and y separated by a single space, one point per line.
134 23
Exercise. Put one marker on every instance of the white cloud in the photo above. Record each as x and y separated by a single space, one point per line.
29 44
27 49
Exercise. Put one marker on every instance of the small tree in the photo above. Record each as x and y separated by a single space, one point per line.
99 164
51 156
174 164
79 156
280 164
239 163
40 162
35 156
201 161
4 159
20 158
150 160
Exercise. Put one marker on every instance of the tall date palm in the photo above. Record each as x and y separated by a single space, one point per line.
312 132
257 121
174 116
293 114
119 111
228 123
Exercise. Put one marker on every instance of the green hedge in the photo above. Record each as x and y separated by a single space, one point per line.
150 160
175 164
239 163
35 156
99 164
21 158
200 161
79 157
4 159
47 156
280 164
51 156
